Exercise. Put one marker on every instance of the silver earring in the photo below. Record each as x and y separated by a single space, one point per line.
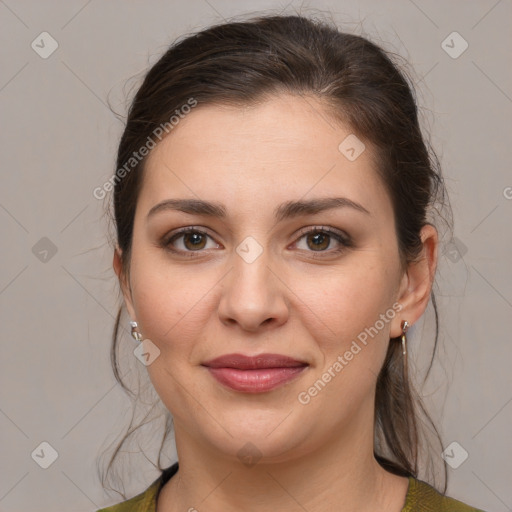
137 336
405 326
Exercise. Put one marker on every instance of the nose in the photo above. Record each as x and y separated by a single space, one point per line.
253 296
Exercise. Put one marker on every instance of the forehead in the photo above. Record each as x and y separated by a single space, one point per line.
284 147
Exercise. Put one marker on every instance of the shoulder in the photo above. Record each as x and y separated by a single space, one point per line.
143 502
146 500
422 497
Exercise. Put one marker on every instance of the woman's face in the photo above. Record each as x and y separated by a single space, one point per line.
259 280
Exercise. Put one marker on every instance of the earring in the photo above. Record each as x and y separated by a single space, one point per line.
405 326
137 336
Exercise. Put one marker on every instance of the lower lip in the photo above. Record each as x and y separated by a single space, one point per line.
255 381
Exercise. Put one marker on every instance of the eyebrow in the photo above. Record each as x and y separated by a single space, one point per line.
287 210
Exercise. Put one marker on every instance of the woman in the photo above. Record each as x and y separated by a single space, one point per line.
273 203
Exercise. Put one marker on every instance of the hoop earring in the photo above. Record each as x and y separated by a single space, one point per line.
405 327
137 336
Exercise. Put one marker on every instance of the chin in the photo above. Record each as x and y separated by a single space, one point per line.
266 440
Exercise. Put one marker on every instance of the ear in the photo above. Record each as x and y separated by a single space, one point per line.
123 282
416 284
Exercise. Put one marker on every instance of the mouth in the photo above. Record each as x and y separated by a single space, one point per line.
256 374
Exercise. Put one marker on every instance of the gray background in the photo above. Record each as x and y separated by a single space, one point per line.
58 143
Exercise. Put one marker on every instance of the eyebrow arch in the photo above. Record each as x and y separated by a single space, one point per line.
287 210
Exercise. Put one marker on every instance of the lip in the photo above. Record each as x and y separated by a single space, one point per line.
254 374
243 362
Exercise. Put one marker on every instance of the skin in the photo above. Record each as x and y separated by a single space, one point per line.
287 301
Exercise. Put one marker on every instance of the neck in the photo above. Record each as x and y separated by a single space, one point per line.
341 474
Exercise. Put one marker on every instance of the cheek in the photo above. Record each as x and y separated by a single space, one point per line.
173 304
171 312
167 309
350 300
358 308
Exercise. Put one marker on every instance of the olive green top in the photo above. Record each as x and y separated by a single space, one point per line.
421 497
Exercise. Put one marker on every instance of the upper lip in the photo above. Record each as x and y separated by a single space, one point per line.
243 362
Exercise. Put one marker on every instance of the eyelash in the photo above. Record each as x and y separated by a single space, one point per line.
343 239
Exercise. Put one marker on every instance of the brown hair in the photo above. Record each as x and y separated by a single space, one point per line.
240 63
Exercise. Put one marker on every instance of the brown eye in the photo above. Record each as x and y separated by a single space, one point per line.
194 240
318 241
324 241
187 241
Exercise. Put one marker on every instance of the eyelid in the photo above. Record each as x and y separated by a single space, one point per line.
166 240
344 241
341 237
324 229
